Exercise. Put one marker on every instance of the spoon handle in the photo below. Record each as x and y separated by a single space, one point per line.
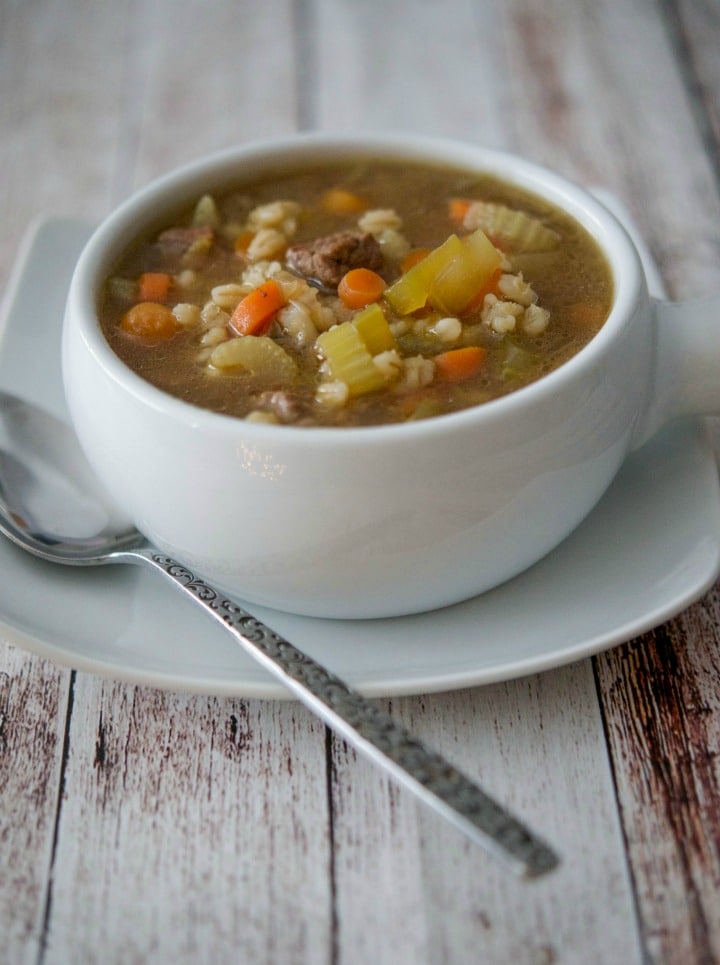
367 728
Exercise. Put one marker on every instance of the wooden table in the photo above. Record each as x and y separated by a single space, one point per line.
143 825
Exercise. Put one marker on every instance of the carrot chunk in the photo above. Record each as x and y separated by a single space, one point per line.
458 208
460 363
154 286
242 242
150 321
340 201
360 286
412 258
255 313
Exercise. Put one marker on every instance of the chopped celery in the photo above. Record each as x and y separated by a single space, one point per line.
349 360
206 213
461 280
123 289
411 291
448 278
426 409
518 362
259 355
374 330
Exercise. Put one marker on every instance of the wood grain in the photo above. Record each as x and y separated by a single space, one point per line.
33 703
548 762
663 719
143 826
190 826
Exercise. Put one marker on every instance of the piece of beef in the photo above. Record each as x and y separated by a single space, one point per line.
327 259
285 406
182 241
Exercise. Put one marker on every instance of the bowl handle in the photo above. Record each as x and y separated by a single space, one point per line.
686 373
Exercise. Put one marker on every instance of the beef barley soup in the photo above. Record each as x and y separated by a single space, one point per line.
357 295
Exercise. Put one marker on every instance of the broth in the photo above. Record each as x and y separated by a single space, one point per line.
483 288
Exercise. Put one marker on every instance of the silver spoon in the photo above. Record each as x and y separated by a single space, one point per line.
52 505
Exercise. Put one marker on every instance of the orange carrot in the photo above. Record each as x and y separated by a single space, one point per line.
242 242
412 258
460 363
360 286
150 321
340 201
153 286
458 208
255 313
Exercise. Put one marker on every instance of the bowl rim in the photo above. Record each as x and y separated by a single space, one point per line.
181 185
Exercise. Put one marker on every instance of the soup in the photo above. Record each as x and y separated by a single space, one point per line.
356 295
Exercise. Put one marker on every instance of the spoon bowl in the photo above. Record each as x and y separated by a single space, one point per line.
53 506
51 502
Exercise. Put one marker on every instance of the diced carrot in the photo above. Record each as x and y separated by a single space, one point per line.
242 242
458 208
460 363
489 288
150 321
360 286
255 313
340 201
153 286
412 258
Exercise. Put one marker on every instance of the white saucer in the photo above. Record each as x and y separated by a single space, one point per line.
650 549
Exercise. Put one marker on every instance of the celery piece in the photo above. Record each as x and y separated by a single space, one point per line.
374 330
518 363
463 277
411 290
259 355
426 409
349 359
448 278
122 289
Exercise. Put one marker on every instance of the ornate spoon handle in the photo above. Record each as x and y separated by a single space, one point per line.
372 732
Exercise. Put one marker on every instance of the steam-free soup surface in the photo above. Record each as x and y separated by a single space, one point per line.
370 293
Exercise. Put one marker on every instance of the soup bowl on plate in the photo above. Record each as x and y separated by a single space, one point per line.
371 520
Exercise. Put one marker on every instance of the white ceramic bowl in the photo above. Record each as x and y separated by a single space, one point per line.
372 522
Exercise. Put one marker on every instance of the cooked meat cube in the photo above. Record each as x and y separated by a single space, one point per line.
327 259
286 407
186 240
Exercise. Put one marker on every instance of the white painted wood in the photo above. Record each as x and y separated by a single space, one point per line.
664 738
538 743
33 703
202 77
601 115
190 827
409 66
60 73
193 829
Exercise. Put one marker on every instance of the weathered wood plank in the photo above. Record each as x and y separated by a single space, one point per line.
191 830
158 848
33 701
694 26
409 67
60 136
601 116
202 77
538 745
663 723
